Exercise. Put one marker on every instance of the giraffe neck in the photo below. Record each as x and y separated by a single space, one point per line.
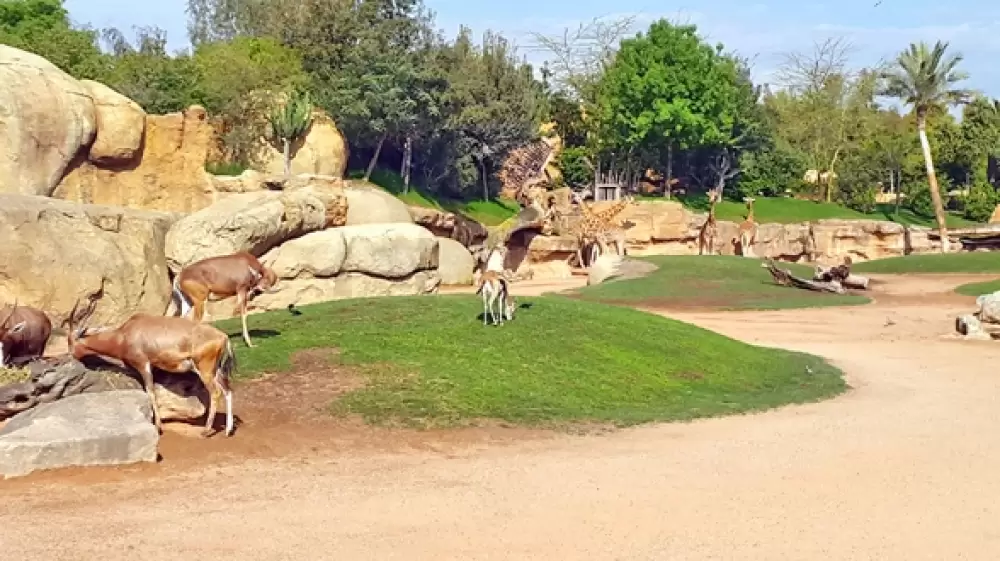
615 209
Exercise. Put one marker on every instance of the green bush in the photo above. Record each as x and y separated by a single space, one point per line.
574 166
769 173
919 200
860 197
980 202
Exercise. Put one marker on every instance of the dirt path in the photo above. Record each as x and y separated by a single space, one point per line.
904 466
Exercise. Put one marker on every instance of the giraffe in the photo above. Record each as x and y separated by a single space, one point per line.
748 230
710 229
598 228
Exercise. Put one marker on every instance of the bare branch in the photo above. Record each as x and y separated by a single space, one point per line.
810 72
578 57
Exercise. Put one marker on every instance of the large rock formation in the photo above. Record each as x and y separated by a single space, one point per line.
455 263
178 397
253 222
667 228
46 118
348 262
121 124
166 171
55 252
370 205
106 428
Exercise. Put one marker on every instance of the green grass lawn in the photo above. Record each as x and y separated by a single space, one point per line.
489 213
712 282
429 361
966 262
979 288
786 210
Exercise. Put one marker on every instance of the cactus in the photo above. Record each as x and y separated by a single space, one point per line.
289 123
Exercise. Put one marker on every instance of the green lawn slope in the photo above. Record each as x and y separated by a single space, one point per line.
429 361
712 282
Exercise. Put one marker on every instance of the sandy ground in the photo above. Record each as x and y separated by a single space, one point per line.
904 466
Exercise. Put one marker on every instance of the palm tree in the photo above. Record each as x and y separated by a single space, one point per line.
924 77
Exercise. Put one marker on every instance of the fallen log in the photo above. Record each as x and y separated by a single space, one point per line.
784 277
850 280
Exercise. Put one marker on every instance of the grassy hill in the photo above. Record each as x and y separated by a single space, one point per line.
428 360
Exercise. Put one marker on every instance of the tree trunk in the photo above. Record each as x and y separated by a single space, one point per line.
486 183
667 179
378 151
287 151
932 182
899 189
407 158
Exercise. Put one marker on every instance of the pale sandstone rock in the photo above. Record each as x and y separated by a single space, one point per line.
455 263
167 174
120 126
314 255
371 205
254 222
46 118
323 151
55 252
389 250
106 428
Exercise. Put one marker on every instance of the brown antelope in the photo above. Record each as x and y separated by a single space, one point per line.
748 230
24 332
710 229
172 344
238 274
495 289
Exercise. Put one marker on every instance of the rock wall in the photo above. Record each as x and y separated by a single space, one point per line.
46 118
667 228
55 252
348 262
165 172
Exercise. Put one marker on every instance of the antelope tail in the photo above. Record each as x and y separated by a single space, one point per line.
226 368
177 299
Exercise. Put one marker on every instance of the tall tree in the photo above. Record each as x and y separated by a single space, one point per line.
43 27
925 77
666 90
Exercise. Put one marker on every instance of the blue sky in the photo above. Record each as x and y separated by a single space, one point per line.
762 30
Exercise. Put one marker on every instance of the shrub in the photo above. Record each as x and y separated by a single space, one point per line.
980 202
574 165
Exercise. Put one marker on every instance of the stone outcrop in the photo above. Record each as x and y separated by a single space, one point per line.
323 151
179 397
120 126
46 118
348 262
370 205
105 428
166 173
254 222
55 252
455 263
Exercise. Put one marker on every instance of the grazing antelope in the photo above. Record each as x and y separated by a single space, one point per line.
24 332
173 344
239 274
496 290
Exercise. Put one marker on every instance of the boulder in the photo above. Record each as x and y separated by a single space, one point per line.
323 151
166 174
46 118
995 217
254 222
348 262
56 252
391 251
455 263
371 205
107 428
120 125
181 397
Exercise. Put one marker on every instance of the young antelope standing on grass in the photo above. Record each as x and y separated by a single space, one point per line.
496 290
